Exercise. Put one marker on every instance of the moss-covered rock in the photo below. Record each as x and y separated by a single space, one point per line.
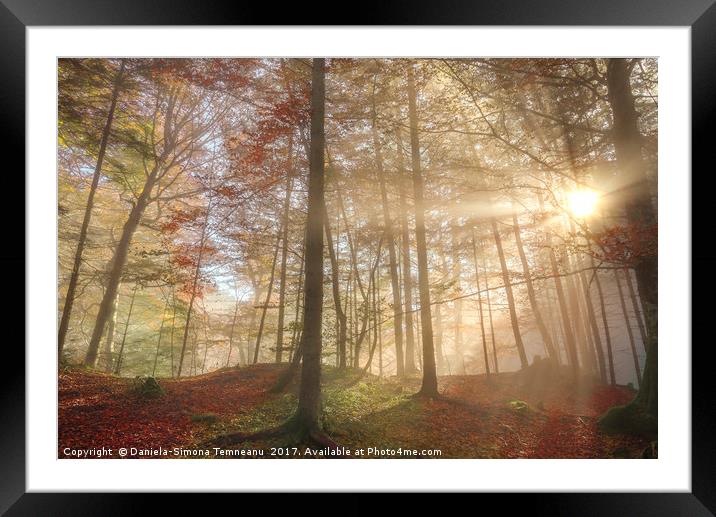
147 387
629 419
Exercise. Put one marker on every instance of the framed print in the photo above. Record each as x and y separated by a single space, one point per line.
432 251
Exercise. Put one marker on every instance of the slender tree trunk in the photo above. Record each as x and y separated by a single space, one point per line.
252 321
74 276
120 356
546 338
159 338
605 323
479 304
429 386
231 332
627 324
309 398
564 312
297 323
118 262
109 340
510 296
407 277
284 253
635 306
379 318
341 318
592 326
537 313
439 338
206 338
554 329
192 297
489 313
264 309
392 258
576 316
457 304
171 335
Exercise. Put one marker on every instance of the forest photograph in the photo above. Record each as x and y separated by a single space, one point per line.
396 258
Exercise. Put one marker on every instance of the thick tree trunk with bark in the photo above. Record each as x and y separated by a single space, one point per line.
309 398
641 213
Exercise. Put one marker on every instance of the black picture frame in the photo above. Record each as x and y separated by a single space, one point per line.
17 15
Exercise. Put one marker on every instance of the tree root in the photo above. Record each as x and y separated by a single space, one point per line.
239 437
290 428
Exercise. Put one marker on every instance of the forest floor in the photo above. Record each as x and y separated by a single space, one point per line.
475 417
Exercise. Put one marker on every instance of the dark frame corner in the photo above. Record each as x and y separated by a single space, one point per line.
700 15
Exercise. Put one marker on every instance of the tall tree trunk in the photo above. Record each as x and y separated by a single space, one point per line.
392 258
439 326
159 337
457 304
489 312
192 297
341 319
109 340
406 269
309 398
546 338
564 312
605 323
429 386
231 333
635 306
297 322
117 266
120 356
284 253
479 304
264 309
171 335
74 276
627 324
379 318
592 320
510 296
576 315
206 337
555 329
